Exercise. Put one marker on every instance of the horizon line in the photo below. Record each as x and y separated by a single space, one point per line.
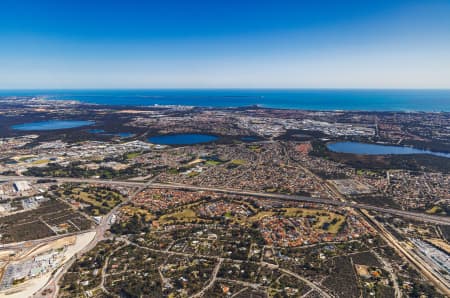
226 88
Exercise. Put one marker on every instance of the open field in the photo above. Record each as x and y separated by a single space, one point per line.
100 199
132 155
130 210
331 220
51 218
185 216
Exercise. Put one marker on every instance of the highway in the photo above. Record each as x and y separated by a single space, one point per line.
53 283
408 214
139 186
421 265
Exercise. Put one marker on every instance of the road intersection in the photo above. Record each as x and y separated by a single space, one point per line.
141 185
138 186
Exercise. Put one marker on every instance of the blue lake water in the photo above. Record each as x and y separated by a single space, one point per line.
309 99
182 139
375 149
52 125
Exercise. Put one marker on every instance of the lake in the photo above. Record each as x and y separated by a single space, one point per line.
376 149
52 125
182 139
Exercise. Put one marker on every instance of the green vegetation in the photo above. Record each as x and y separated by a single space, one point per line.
193 174
40 162
435 210
132 155
187 215
325 220
134 225
130 210
238 162
100 199
213 162
75 169
25 158
255 148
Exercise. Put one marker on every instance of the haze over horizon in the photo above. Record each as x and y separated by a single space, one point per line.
206 44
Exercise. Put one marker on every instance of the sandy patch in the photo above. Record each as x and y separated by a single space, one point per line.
440 244
362 270
5 254
196 161
134 112
52 245
28 288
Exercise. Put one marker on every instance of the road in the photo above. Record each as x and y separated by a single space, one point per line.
105 223
306 281
32 243
220 259
393 277
211 281
52 285
410 255
408 214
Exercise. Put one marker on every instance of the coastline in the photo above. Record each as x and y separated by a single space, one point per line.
355 100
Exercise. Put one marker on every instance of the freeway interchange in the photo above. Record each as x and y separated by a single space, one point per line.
408 214
103 226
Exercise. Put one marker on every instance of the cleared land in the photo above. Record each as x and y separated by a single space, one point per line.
51 218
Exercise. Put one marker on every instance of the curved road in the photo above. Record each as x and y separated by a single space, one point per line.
103 226
409 214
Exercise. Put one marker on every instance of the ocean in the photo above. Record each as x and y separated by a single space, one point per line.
306 99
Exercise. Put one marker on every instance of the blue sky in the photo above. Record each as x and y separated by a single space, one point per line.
224 44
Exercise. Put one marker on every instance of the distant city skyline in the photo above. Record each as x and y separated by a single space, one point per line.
224 44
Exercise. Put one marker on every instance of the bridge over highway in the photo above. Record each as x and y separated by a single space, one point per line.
408 214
